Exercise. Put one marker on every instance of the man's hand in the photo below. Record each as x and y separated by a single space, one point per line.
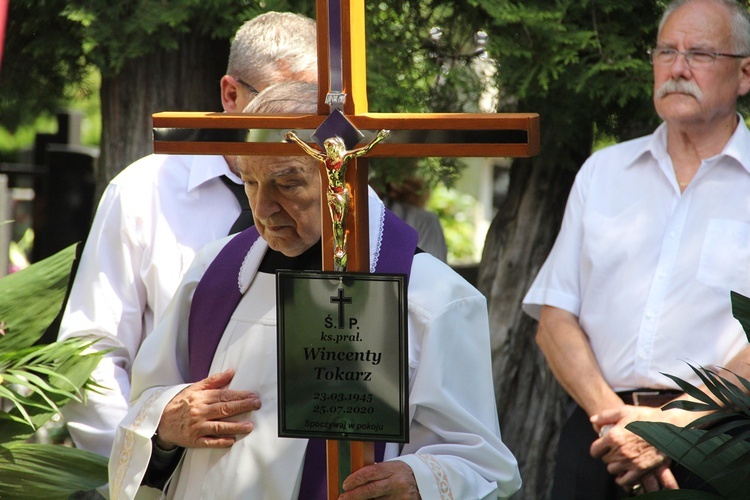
393 480
633 461
196 417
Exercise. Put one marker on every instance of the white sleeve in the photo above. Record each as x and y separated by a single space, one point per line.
455 448
160 371
558 281
106 300
131 451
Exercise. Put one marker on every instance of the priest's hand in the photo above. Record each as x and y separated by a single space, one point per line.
393 480
636 464
197 416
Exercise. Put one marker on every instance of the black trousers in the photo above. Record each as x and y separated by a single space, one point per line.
579 476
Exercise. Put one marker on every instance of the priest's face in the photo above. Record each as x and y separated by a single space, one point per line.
284 194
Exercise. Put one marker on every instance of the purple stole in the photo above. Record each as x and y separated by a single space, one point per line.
217 296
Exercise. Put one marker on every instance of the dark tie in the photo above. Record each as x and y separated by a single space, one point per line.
245 219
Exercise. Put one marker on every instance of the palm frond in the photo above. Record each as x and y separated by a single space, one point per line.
726 472
33 471
741 311
694 392
716 446
33 394
30 299
37 380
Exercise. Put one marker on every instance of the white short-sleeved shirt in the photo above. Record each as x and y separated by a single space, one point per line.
648 270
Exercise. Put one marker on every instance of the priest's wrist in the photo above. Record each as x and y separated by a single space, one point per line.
162 445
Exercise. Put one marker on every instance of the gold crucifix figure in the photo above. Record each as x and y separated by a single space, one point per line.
335 159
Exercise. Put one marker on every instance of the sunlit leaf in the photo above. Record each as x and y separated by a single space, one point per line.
30 299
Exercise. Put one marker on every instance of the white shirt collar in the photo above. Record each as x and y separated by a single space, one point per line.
203 168
738 146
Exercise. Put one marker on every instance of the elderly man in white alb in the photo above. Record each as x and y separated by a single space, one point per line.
218 437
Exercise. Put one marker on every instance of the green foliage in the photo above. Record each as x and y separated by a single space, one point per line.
410 71
558 58
42 57
21 138
728 473
741 311
34 471
51 46
36 380
716 446
456 212
120 30
82 98
581 65
30 299
589 47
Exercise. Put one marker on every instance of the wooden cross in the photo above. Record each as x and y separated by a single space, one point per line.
342 86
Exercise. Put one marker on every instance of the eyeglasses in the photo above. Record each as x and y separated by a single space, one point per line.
247 86
696 59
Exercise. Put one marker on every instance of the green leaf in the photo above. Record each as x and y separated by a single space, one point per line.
739 438
693 391
35 390
687 447
73 372
13 398
30 299
34 471
741 311
63 371
683 404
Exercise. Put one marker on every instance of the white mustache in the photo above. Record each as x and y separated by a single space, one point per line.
679 87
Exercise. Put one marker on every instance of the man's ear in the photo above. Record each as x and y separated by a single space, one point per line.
744 76
229 90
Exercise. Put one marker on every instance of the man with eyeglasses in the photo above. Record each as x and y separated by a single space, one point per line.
154 217
656 233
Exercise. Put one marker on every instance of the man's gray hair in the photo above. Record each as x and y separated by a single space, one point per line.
286 97
274 47
739 22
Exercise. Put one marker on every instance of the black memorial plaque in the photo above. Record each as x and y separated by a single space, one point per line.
342 356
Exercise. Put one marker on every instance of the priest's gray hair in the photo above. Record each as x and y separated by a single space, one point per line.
739 21
274 47
286 97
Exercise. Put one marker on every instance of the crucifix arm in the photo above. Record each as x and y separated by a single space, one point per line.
356 153
291 136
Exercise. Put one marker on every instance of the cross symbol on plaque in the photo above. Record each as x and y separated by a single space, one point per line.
342 301
343 96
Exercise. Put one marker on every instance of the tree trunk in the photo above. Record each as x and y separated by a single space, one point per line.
531 404
186 79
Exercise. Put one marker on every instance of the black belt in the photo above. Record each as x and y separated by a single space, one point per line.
649 397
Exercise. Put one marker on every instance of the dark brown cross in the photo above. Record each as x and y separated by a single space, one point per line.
342 87
341 301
